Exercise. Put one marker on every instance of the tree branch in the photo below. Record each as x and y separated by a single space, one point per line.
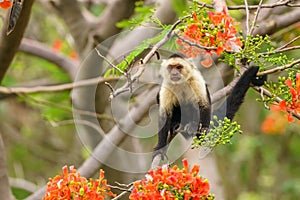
38 49
253 7
277 22
5 189
280 68
9 43
278 100
281 50
23 184
55 88
112 139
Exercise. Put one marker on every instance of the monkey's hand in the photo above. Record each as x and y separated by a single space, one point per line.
188 130
160 152
255 80
203 130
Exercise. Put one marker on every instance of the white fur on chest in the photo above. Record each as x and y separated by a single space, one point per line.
191 91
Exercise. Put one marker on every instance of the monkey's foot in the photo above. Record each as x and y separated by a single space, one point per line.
162 152
189 129
203 130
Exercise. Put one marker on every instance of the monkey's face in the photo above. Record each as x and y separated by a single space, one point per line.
176 70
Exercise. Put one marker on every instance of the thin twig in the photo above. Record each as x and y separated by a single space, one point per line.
110 63
280 50
253 7
56 88
290 42
122 194
280 68
247 18
277 99
255 17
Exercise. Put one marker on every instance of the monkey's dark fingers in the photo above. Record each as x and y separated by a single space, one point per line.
191 128
160 152
259 80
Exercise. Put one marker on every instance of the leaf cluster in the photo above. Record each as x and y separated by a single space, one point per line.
221 132
258 50
280 88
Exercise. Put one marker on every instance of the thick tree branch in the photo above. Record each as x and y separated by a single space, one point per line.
85 29
8 47
5 190
38 49
116 11
78 25
112 139
9 43
23 184
277 22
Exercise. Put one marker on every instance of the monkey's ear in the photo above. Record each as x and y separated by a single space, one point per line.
164 62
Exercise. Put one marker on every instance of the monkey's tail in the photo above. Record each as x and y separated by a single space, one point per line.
236 97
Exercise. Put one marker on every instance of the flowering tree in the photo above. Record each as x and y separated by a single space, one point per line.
215 33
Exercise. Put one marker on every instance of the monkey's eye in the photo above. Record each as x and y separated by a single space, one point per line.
179 67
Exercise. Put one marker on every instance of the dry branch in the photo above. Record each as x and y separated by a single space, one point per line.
280 68
55 88
287 3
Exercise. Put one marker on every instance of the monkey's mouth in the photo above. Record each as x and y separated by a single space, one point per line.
175 78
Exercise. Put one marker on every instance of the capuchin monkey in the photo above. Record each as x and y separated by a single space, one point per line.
184 100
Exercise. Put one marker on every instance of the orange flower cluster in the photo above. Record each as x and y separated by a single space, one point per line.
214 30
294 103
60 46
70 185
275 122
172 183
5 4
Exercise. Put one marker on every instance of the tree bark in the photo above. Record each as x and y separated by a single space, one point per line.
9 44
5 190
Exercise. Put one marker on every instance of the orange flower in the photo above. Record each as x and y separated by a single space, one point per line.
70 185
5 4
57 45
275 122
214 30
172 183
293 104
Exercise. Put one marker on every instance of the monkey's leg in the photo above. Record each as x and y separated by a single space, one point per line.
164 127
